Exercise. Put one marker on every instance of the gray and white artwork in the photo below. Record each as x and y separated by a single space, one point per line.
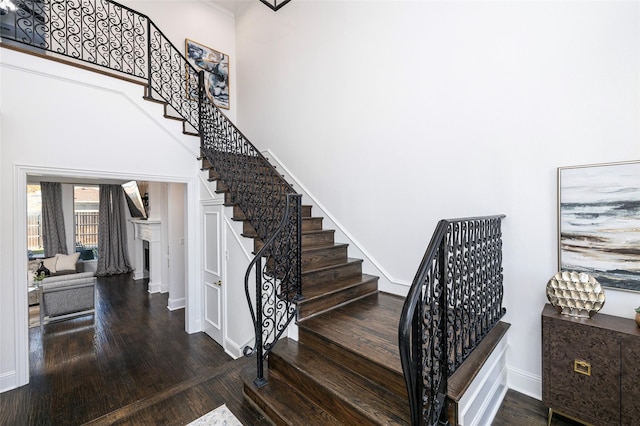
216 71
600 222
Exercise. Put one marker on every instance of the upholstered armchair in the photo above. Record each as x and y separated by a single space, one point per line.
67 296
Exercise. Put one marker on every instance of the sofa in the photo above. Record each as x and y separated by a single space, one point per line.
65 293
67 296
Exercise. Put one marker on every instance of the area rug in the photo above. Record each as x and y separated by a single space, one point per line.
221 416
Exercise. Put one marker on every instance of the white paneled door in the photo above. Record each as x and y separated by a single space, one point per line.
213 272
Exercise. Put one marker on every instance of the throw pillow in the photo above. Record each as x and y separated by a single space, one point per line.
67 262
50 263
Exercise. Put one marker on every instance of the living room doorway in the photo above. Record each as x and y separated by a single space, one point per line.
175 199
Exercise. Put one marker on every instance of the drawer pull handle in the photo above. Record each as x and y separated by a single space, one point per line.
582 367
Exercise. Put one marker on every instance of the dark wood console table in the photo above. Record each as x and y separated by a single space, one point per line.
591 368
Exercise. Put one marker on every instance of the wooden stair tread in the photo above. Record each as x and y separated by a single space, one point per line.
173 117
152 99
367 325
323 255
317 276
313 291
253 233
340 391
239 215
283 404
323 296
324 247
323 268
318 231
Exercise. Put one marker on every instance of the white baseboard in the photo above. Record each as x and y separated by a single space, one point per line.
155 287
482 399
175 304
233 349
138 274
525 382
8 381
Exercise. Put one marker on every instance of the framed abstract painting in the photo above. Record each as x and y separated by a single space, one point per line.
599 222
216 71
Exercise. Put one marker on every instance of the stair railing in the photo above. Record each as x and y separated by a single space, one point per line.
274 210
454 301
106 34
103 34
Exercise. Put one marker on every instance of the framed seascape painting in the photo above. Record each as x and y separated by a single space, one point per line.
216 71
599 222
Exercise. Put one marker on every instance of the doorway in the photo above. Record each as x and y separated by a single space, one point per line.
193 292
213 265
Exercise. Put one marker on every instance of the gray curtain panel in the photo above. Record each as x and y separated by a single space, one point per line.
113 254
53 235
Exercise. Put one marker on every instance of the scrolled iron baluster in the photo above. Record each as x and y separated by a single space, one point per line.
456 287
59 27
101 30
89 35
24 22
73 30
41 19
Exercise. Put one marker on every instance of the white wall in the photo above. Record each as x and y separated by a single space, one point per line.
176 230
397 114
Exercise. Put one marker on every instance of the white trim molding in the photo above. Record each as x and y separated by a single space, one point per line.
175 304
481 401
8 381
525 382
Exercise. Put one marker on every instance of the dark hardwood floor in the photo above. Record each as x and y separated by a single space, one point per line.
521 410
136 365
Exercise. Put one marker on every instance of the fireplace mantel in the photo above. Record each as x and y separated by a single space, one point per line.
150 231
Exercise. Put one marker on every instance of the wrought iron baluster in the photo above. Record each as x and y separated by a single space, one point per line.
449 310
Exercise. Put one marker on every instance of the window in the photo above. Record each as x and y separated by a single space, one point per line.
34 222
86 200
85 220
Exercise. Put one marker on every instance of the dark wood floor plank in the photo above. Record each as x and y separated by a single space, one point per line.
134 350
520 410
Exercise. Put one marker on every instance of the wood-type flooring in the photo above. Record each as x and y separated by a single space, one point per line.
135 365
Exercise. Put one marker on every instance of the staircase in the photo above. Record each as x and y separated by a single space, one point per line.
345 367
